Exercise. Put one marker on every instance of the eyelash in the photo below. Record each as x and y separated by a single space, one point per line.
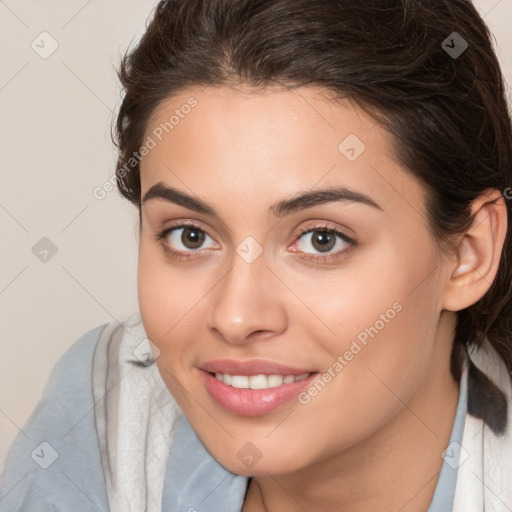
179 256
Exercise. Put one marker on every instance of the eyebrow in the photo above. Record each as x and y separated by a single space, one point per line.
301 201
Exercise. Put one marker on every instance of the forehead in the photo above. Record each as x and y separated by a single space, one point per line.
239 144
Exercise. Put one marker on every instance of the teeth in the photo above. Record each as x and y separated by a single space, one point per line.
240 381
274 381
258 381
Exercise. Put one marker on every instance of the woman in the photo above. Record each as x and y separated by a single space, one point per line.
324 272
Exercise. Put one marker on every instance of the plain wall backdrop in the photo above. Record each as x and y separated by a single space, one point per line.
68 259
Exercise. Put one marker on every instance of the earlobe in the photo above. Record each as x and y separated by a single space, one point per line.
478 254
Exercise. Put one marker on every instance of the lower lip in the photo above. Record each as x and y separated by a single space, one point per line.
252 402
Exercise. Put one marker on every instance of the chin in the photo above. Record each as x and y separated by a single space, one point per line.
250 461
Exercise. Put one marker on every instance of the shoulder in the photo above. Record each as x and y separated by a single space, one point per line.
71 374
54 463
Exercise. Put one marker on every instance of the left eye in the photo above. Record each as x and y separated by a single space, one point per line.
190 238
323 240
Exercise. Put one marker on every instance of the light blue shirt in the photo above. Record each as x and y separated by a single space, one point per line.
54 464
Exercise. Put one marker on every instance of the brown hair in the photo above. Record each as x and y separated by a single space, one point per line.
447 112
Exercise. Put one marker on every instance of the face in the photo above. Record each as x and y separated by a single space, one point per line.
338 291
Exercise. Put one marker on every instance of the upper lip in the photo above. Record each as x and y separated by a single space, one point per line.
251 367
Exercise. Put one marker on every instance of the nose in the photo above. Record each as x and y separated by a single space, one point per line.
246 304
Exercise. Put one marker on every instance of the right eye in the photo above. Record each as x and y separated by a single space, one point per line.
184 238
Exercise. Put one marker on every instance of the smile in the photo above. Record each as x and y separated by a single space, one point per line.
254 395
258 381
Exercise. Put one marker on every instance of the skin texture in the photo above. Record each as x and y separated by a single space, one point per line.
372 439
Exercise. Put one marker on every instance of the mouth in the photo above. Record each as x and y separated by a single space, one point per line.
254 395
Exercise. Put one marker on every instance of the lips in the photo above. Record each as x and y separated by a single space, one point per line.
247 401
252 367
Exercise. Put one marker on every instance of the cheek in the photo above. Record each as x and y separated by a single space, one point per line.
382 319
163 298
172 306
155 305
163 306
368 377
364 300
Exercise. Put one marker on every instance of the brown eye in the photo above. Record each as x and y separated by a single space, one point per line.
324 240
192 238
186 239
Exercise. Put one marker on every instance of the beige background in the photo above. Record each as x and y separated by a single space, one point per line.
55 148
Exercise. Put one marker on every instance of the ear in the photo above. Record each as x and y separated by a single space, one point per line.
472 271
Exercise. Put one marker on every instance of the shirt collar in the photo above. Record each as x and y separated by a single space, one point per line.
195 481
